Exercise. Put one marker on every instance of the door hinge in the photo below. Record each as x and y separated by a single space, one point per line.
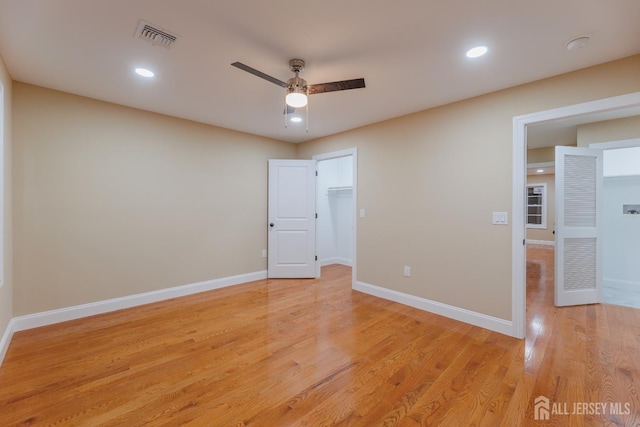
316 173
524 242
316 216
316 257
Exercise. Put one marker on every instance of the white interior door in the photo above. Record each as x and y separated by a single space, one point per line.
292 219
578 274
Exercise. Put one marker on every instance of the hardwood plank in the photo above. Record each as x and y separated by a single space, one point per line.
315 352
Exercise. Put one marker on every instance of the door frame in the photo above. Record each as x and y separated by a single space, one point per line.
353 152
518 250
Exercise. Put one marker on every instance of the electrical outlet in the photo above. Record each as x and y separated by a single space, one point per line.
407 271
264 253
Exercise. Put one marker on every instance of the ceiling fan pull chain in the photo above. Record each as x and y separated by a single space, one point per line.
307 121
286 111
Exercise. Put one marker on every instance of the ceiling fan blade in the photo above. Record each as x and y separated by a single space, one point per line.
334 86
260 74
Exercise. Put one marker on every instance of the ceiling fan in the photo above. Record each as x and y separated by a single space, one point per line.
297 88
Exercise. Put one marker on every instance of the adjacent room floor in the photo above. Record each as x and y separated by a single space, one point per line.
316 353
538 254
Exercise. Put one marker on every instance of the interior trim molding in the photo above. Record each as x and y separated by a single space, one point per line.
45 318
6 339
622 143
541 242
541 165
463 315
624 285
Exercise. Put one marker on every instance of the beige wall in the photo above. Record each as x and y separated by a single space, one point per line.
541 155
113 201
545 233
610 130
430 181
6 296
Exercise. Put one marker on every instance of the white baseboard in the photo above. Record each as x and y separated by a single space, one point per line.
6 339
541 242
477 319
36 320
335 260
624 285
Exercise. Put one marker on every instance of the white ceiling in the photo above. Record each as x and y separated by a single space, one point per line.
410 52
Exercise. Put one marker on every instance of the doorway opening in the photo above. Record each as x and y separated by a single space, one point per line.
620 222
619 106
620 233
336 196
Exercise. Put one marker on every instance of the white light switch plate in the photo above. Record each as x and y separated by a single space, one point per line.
500 218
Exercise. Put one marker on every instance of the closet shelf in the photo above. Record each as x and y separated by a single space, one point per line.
339 190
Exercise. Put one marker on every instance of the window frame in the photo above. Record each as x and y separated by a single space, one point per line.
543 206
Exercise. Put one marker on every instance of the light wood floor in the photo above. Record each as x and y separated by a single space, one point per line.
316 353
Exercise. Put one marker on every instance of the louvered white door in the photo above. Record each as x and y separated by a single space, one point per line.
578 257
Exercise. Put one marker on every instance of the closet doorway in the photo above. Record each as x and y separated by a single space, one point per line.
336 196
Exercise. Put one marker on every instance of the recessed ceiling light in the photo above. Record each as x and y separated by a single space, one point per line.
540 171
296 119
144 72
477 51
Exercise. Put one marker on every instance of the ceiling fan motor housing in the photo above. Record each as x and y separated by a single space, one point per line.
297 84
296 65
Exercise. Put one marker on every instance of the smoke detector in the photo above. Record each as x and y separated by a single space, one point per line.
578 43
155 35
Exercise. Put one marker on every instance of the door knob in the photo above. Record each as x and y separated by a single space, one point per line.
271 225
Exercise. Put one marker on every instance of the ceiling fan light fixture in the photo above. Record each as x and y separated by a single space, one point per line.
296 99
296 92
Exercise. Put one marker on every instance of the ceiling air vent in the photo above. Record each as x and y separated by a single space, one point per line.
155 35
